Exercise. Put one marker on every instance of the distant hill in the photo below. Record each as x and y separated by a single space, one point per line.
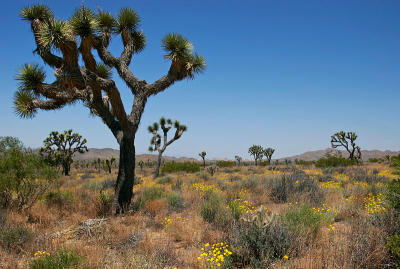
94 153
317 154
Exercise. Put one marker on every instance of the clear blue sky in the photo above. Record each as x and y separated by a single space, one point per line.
285 74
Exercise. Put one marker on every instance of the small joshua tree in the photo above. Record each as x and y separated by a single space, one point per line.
268 152
203 156
212 169
109 163
59 148
257 152
347 140
156 140
238 159
141 164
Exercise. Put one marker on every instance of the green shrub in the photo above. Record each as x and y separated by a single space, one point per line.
60 198
334 161
15 237
165 180
175 201
294 186
148 194
393 246
189 167
104 203
214 211
64 259
259 243
226 163
25 177
303 221
393 194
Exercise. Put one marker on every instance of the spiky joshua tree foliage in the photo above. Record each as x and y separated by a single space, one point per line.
257 152
61 44
158 143
203 156
59 148
347 140
268 152
238 159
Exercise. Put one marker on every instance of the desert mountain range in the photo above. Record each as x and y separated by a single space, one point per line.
95 153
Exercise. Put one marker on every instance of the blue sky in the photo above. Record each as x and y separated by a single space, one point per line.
284 74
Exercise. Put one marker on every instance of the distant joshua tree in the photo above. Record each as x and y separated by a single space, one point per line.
109 163
141 164
203 156
59 148
347 140
156 140
257 152
71 47
268 152
238 159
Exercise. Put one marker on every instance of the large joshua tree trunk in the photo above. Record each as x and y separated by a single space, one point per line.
126 176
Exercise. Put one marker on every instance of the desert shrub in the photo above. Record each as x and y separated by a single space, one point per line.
15 237
175 201
148 194
62 259
60 198
109 183
165 180
203 175
104 203
334 161
214 211
226 164
366 248
93 185
250 183
178 184
303 162
393 246
26 175
393 194
303 221
189 167
257 243
296 185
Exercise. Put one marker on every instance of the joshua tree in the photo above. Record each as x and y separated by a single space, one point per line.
141 164
268 152
109 163
59 149
203 156
257 152
346 140
60 44
155 142
238 159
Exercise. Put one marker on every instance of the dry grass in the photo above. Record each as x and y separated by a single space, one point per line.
142 239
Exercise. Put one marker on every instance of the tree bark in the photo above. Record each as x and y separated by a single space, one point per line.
126 175
66 167
157 172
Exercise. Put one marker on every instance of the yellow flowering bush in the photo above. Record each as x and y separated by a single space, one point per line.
201 187
168 220
374 204
214 255
330 185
